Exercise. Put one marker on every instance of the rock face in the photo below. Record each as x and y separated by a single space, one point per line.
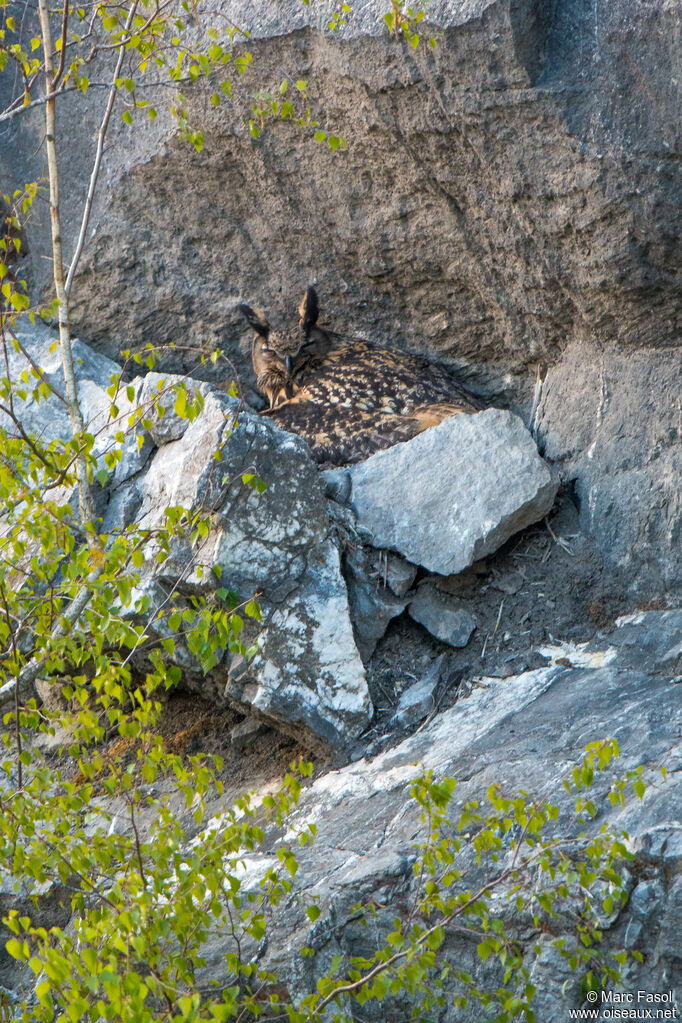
454 493
509 203
307 673
506 199
612 422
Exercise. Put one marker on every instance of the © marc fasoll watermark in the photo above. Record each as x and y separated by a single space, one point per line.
640 1004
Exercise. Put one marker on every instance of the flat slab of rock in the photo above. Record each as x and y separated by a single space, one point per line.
442 616
243 735
455 493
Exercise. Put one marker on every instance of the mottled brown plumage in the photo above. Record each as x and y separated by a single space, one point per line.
347 398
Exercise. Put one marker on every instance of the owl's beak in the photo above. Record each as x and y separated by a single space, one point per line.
288 363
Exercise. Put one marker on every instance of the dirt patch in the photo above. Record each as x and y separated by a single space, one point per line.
190 725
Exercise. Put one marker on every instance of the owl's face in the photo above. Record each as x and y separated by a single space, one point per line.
279 355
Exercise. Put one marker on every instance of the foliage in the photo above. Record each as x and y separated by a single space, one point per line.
75 827
162 45
406 20
147 896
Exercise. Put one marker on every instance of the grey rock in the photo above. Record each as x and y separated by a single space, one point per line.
663 841
556 984
668 946
645 901
47 905
372 603
50 694
336 484
454 493
156 393
651 640
260 539
418 700
510 583
49 418
399 574
134 455
243 735
524 733
442 616
307 675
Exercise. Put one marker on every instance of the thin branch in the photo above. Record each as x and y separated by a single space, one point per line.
17 725
124 40
403 953
98 156
73 612
41 373
62 49
138 845
9 114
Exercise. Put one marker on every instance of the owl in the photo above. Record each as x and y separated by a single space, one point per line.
347 397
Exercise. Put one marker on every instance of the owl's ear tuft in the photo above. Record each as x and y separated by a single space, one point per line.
309 309
255 318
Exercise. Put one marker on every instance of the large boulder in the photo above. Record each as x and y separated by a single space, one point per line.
455 493
307 675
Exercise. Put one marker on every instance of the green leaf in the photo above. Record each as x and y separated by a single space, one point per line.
17 949
252 609
484 949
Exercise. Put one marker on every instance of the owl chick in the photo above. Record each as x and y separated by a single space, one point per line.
346 397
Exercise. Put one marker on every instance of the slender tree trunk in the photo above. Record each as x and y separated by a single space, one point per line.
84 494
